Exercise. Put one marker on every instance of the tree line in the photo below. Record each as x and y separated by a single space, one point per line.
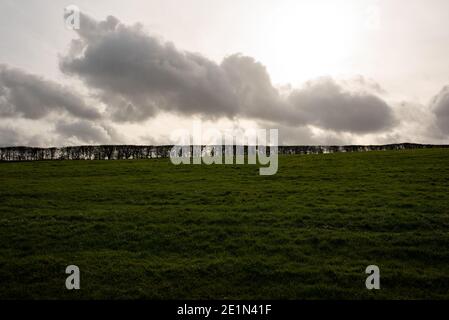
123 152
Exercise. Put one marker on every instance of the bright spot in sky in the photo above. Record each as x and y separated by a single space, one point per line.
307 40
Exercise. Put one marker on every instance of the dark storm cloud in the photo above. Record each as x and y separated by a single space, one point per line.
324 103
138 75
30 96
440 107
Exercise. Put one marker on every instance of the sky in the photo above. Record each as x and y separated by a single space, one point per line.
321 72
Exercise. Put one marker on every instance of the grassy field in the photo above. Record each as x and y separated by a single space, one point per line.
149 229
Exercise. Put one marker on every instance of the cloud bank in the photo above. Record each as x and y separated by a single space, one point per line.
137 76
440 106
30 96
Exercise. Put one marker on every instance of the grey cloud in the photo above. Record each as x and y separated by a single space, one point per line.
30 96
418 124
440 107
367 85
252 85
61 132
326 104
304 135
18 135
137 75
9 137
85 132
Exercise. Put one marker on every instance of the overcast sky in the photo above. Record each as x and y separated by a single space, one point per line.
322 72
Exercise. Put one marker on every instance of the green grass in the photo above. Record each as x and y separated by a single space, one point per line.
149 229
